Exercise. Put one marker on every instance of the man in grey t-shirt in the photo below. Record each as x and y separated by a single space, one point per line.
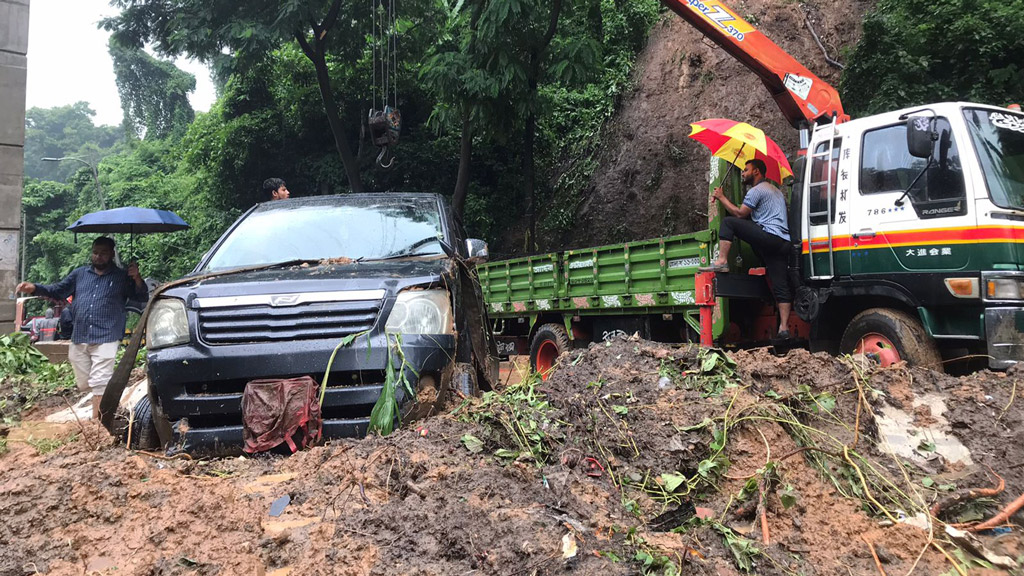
761 222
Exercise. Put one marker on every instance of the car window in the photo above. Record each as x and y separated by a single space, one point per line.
314 229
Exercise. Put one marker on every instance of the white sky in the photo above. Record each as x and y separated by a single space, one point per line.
68 60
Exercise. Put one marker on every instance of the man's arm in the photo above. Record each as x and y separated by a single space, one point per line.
741 211
136 285
58 291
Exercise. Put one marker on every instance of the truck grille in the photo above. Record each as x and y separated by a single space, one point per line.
264 323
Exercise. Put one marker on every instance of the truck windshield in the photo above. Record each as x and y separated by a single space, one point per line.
331 227
999 138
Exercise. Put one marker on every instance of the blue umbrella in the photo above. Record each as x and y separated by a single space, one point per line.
130 219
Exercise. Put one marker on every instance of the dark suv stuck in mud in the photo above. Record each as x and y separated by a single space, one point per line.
287 283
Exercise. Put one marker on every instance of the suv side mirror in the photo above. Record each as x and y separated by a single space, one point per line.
921 136
477 250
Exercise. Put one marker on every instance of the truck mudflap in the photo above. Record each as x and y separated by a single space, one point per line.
1004 332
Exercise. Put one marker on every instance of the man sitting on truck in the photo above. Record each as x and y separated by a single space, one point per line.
761 222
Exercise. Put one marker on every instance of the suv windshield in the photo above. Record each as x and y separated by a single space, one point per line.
999 138
331 227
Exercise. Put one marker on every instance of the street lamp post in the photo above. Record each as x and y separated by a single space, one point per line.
92 169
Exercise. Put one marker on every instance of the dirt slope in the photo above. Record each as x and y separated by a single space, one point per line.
652 179
616 456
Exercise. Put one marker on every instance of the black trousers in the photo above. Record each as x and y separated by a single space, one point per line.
773 251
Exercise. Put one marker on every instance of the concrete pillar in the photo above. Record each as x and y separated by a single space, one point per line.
13 68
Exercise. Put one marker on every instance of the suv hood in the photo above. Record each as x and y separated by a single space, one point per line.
392 275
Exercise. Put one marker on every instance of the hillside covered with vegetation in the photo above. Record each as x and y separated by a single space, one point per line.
532 116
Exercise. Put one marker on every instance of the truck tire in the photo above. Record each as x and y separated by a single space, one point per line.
547 345
892 336
144 436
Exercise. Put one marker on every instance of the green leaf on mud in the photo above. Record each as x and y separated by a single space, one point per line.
500 453
927 482
827 402
743 551
926 446
788 498
672 481
706 466
620 410
472 443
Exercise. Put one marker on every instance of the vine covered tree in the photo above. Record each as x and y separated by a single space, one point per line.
154 93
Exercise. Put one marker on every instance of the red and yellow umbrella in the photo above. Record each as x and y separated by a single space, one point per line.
739 142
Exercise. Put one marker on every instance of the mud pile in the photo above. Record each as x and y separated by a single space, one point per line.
634 457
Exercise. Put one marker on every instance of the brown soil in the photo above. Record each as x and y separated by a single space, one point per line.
648 168
618 419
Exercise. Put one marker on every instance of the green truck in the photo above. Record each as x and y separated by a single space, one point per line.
907 233
908 243
546 304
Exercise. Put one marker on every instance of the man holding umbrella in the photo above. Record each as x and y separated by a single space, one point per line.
100 291
761 222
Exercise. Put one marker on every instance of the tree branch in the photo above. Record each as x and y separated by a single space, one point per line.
332 16
300 37
807 20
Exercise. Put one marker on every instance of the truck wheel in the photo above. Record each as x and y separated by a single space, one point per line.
144 436
548 344
892 336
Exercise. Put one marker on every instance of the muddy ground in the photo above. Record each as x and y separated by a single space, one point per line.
632 458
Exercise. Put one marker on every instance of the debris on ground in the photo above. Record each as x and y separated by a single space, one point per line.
633 457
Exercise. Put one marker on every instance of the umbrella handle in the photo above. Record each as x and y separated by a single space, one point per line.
732 164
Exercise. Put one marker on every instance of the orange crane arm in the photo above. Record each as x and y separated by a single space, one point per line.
803 97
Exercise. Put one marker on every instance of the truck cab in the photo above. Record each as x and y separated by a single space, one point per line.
911 226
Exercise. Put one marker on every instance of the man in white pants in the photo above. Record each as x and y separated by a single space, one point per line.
100 291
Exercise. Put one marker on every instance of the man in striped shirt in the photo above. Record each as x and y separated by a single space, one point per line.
761 222
100 291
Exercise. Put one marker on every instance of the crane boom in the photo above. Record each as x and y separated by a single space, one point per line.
803 97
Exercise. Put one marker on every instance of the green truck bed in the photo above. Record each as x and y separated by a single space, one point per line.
648 276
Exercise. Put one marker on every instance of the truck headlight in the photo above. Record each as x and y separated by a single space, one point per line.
421 312
167 324
1004 289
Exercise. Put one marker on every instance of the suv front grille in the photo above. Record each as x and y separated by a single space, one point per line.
264 323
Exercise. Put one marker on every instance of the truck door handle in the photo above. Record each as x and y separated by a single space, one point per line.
865 234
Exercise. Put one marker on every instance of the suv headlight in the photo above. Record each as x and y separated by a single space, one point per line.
167 324
1004 288
421 312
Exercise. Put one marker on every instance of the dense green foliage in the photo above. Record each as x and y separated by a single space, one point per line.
919 51
271 120
65 131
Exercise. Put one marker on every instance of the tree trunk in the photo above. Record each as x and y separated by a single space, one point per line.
465 155
528 178
536 57
323 80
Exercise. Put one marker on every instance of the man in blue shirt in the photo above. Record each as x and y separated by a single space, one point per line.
761 222
100 292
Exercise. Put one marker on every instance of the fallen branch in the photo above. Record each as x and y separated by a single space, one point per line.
967 494
878 563
764 511
80 426
1001 518
807 20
